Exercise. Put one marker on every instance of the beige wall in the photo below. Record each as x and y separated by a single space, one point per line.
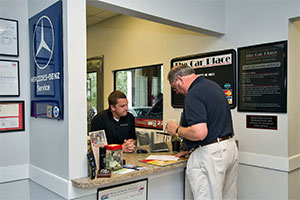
293 88
129 42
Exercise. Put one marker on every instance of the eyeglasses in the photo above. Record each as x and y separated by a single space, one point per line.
174 88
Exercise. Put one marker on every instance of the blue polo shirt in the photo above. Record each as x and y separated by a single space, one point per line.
206 102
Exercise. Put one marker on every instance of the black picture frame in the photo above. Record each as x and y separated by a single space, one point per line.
9 39
12 115
106 190
10 82
262 78
211 66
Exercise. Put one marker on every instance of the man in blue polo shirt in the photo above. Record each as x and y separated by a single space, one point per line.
117 122
206 128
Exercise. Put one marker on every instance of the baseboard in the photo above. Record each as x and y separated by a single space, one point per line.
14 173
270 162
50 181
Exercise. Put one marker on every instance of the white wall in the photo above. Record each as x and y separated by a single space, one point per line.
199 16
14 146
58 148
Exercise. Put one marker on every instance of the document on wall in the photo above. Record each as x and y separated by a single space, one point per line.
9 79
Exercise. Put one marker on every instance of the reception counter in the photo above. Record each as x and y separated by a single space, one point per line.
166 182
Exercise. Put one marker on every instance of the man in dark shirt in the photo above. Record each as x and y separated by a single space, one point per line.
117 122
206 127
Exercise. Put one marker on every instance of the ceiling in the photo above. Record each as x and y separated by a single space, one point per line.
95 15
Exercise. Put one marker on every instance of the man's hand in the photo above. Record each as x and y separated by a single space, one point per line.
129 145
171 127
184 154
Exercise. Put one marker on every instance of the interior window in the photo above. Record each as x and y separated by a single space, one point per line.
143 87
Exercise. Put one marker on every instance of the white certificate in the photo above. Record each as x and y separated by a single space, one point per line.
9 78
9 37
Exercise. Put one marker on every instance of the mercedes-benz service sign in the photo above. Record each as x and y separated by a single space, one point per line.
46 60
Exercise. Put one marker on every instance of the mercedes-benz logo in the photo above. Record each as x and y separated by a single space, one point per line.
44 34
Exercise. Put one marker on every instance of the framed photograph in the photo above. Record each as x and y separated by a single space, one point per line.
12 116
9 78
218 66
262 78
9 37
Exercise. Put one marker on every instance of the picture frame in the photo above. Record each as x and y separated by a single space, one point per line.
134 190
9 78
262 78
9 37
12 116
218 66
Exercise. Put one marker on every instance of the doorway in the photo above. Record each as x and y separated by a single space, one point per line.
95 89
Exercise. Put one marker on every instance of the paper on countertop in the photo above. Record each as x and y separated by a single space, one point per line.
124 171
162 157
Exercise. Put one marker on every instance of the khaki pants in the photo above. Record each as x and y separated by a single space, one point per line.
212 171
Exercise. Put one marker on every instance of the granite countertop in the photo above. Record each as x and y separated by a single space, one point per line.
130 158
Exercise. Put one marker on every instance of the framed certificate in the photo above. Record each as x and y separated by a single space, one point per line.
9 37
9 78
12 116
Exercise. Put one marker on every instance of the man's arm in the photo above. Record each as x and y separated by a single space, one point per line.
195 132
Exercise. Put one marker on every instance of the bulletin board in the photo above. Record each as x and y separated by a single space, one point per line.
217 66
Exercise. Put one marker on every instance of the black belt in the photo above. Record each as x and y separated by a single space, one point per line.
218 139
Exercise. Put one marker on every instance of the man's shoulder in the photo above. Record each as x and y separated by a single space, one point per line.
102 114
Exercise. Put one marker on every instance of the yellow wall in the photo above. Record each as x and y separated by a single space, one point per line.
129 42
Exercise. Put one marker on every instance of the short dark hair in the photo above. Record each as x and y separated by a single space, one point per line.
179 70
114 96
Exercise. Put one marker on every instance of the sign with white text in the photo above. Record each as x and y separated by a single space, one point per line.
217 66
46 60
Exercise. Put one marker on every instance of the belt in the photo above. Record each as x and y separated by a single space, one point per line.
218 139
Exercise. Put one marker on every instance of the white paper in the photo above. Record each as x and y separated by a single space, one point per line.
162 157
9 78
8 37
9 110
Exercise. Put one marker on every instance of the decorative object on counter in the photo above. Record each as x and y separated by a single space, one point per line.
102 158
114 156
104 173
176 143
91 164
97 139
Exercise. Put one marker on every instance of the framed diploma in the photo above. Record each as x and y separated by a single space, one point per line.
12 116
262 78
9 37
9 78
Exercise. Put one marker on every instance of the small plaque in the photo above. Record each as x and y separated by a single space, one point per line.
261 122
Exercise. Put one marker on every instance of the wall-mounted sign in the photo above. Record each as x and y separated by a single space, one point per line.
263 78
136 190
217 66
46 60
261 122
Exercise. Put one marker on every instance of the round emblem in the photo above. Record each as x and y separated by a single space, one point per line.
43 42
55 111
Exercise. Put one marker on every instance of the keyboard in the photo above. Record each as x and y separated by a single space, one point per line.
159 147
